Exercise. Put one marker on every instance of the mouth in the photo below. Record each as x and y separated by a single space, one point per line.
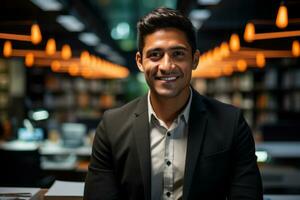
167 78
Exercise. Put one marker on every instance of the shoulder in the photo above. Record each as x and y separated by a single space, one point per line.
124 111
216 109
224 121
218 105
212 104
116 124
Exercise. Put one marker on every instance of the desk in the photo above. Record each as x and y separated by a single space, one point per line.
57 157
281 197
17 145
62 160
41 194
280 168
280 149
266 197
46 148
50 148
274 149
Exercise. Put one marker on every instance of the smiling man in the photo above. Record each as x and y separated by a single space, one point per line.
167 61
172 143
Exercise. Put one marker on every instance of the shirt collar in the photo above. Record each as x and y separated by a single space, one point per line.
184 113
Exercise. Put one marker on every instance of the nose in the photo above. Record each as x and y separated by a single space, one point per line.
166 64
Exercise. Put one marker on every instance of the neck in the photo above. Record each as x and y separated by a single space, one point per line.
167 109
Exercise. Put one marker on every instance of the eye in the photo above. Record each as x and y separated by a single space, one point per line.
154 55
178 54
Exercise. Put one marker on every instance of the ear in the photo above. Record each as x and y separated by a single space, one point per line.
138 59
196 59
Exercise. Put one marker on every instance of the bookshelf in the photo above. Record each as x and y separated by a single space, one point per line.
4 89
12 89
266 96
70 98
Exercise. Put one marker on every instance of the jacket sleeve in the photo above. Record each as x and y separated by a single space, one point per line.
101 181
246 181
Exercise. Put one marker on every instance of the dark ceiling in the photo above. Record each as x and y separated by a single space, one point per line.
231 16
102 16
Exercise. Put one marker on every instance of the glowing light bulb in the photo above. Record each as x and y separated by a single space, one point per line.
85 58
73 69
29 59
93 61
241 65
66 52
282 17
234 42
249 32
36 36
225 49
50 47
55 65
296 48
217 53
7 49
260 60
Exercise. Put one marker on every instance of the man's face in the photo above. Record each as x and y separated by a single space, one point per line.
167 62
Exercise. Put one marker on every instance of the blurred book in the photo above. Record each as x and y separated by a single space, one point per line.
65 190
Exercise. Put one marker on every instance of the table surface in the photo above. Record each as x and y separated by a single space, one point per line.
281 197
42 192
274 149
280 149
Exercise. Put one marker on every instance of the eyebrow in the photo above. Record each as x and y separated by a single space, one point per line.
172 48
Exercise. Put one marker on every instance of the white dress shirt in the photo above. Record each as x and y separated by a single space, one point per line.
168 153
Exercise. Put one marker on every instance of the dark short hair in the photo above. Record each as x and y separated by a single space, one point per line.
161 18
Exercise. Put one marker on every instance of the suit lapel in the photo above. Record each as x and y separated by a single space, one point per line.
142 140
197 124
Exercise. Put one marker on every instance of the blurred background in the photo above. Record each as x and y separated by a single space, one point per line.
64 62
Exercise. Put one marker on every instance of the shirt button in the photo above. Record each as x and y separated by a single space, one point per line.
168 194
168 134
168 163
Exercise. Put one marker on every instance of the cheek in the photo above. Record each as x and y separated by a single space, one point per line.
150 70
148 74
186 68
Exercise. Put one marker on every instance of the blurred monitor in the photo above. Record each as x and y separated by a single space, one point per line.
24 134
73 134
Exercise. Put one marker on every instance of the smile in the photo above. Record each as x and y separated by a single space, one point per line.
169 78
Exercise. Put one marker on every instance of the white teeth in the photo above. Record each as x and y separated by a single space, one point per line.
168 78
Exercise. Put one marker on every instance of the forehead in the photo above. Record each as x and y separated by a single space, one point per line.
166 38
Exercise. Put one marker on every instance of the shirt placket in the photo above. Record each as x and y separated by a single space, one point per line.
169 167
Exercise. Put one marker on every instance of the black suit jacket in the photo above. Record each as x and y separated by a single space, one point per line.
220 160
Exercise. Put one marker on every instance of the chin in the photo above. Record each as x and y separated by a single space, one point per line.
167 93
